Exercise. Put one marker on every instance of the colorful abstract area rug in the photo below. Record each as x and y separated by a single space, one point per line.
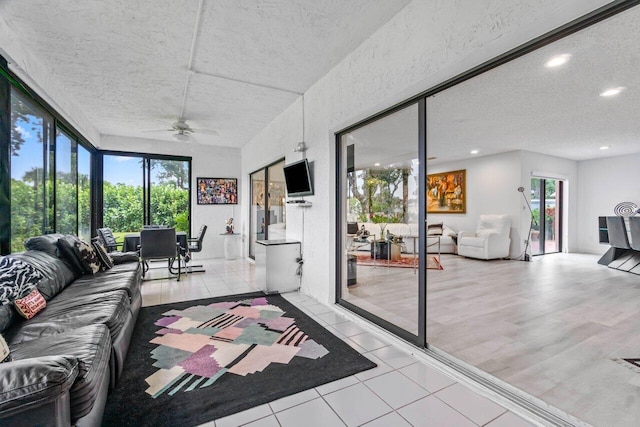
403 262
196 361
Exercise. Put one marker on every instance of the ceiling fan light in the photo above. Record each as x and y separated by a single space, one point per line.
182 137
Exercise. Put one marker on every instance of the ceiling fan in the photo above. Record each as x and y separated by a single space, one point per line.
182 130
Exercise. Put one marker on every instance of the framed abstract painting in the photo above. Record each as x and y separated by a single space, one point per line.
447 192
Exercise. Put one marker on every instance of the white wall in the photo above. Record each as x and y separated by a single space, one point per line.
207 161
424 44
603 183
491 189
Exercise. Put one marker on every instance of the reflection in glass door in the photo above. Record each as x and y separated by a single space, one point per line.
276 193
379 245
546 207
257 224
268 213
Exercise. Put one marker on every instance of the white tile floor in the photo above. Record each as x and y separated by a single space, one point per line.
401 391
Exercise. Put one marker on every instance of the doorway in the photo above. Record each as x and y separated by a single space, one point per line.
546 207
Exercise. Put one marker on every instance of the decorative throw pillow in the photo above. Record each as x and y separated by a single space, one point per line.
106 262
80 254
69 252
88 257
30 305
5 353
17 278
435 229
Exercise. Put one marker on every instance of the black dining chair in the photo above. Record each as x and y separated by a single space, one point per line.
109 240
158 244
195 245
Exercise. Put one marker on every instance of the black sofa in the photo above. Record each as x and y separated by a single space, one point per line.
67 357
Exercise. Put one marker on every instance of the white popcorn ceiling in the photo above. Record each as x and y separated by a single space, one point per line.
126 64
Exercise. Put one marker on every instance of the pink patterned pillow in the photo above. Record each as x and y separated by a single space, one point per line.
30 305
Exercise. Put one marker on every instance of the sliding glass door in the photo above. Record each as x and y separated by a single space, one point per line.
268 214
546 208
379 242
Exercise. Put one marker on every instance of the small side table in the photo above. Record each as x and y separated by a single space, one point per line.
230 245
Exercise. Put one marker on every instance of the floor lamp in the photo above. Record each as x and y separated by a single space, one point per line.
526 248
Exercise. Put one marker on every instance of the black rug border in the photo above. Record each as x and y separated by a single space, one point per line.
336 347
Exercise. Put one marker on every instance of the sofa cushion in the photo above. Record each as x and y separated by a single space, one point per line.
500 224
91 345
435 229
46 243
65 314
57 273
17 279
107 281
35 381
475 242
30 305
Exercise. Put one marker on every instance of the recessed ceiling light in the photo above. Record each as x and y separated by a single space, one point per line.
474 151
558 60
605 147
612 92
376 164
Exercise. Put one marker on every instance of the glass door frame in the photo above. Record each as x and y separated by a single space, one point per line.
146 186
543 217
266 201
420 339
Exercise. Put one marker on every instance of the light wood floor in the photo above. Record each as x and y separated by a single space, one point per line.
550 327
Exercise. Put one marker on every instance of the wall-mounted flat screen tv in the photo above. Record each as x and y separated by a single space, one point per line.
298 179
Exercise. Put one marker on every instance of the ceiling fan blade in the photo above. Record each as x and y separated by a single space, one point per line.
158 130
205 131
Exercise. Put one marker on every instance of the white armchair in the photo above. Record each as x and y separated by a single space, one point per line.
490 241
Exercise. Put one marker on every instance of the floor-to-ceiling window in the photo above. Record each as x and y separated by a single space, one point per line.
84 193
379 218
47 167
32 180
268 214
66 190
141 189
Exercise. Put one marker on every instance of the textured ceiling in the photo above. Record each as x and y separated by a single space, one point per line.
556 111
228 66
524 106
